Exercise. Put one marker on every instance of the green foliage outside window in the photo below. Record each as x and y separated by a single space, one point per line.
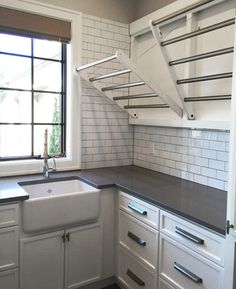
54 142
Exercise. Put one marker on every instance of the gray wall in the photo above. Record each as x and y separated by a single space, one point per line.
124 11
144 7
117 10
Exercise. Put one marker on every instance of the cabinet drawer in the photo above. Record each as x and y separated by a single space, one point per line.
164 285
140 239
8 248
9 279
196 238
186 269
133 274
141 210
9 215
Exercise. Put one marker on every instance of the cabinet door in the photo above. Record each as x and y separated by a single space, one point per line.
8 248
83 255
9 279
42 262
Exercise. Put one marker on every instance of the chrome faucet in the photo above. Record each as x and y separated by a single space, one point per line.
46 168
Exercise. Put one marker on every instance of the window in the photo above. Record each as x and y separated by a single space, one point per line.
32 96
47 25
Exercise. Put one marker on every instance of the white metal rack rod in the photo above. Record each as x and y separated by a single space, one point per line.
136 96
120 86
202 56
144 80
121 72
150 83
207 98
191 8
89 65
205 78
199 32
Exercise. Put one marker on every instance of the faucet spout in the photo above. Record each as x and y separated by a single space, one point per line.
46 168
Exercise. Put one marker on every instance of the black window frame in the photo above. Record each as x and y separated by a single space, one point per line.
62 93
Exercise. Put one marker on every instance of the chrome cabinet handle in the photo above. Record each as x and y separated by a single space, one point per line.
189 236
136 239
187 273
135 278
137 209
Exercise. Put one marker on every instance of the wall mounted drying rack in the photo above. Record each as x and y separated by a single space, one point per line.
155 93
161 45
144 81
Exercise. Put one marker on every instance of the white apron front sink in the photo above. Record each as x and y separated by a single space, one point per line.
58 204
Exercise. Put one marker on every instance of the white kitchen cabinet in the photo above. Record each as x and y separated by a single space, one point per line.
63 259
139 239
83 256
184 268
200 240
133 274
42 262
164 285
137 243
8 248
9 236
9 215
139 209
9 279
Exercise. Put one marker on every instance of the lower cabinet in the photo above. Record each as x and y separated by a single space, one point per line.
63 259
9 279
186 269
134 274
9 238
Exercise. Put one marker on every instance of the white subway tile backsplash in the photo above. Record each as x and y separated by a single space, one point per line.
200 179
107 138
203 160
211 173
217 145
218 165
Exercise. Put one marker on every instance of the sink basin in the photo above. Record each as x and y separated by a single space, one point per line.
58 204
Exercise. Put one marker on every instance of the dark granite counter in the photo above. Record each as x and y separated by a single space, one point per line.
201 204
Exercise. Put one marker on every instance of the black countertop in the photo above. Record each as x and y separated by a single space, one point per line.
201 204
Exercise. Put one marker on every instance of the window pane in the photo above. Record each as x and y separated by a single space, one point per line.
15 140
47 108
47 75
47 49
15 106
54 139
15 44
15 72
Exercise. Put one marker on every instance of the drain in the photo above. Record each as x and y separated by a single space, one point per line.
49 191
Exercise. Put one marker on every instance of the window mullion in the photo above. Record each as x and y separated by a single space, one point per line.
32 97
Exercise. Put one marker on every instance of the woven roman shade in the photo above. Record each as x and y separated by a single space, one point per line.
36 26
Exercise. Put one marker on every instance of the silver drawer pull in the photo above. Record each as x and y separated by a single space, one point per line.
135 278
189 236
188 273
137 209
136 239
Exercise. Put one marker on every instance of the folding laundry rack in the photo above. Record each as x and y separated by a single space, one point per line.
164 101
